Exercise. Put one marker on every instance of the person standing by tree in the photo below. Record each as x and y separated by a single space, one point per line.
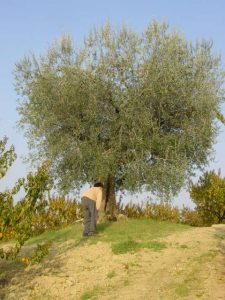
91 201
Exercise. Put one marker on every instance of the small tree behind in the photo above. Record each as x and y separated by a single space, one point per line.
209 196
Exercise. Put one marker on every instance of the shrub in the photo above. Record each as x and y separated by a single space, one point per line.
59 212
163 211
150 210
190 217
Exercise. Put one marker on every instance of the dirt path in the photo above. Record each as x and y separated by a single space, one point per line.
191 267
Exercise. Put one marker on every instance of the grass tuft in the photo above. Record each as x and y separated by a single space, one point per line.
182 290
207 256
111 274
126 246
91 293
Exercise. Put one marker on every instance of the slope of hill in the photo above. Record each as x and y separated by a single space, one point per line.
133 259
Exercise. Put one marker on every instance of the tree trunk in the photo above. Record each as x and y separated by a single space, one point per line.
221 218
108 206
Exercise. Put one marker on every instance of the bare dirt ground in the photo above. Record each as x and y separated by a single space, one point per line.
191 267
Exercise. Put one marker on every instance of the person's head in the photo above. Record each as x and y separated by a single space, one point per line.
98 184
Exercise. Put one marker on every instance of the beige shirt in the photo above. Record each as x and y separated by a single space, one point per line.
94 193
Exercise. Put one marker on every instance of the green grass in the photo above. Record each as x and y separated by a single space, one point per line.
91 293
133 235
181 290
138 229
124 237
72 232
126 246
133 246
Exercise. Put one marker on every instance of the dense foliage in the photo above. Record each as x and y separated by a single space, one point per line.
209 196
138 108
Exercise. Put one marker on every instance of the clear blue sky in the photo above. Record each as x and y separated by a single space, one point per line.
27 25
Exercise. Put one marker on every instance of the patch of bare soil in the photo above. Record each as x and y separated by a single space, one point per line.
191 267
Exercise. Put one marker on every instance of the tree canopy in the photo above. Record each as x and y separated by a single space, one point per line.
139 107
209 196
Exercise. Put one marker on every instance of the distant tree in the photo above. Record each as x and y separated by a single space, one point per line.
137 111
209 196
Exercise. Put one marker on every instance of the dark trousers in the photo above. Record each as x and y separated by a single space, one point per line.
90 215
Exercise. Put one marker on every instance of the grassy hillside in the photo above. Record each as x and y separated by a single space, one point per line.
129 259
141 232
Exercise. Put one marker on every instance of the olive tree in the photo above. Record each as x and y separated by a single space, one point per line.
135 110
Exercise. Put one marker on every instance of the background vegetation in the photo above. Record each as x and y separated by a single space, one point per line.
38 212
